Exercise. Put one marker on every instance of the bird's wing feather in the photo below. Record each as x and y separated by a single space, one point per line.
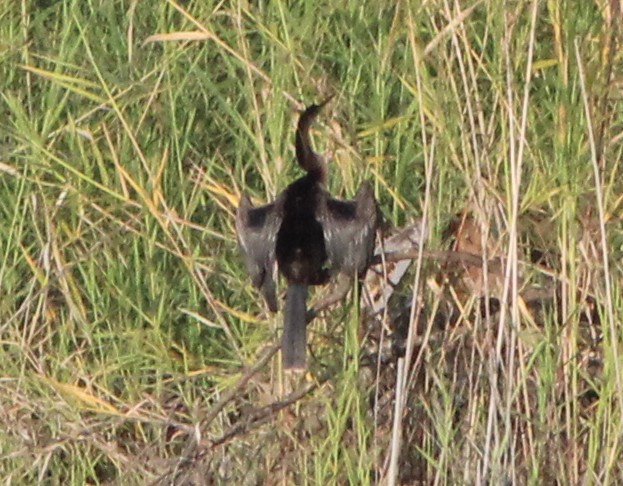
349 230
257 228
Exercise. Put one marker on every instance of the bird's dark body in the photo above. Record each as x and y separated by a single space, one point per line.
300 249
310 235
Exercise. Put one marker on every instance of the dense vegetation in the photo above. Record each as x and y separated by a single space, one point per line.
135 351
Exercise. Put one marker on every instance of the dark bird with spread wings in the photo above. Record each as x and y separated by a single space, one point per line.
310 235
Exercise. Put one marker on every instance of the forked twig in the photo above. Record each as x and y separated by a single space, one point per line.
259 416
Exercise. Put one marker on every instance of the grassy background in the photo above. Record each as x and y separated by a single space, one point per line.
128 130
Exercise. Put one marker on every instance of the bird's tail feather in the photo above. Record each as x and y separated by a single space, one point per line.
294 340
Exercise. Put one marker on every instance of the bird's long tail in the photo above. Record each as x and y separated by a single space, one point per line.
294 340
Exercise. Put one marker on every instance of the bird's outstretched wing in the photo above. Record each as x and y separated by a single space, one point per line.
257 228
349 230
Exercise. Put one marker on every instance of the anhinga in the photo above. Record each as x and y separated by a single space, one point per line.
309 234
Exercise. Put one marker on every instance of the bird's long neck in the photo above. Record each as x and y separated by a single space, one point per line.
309 160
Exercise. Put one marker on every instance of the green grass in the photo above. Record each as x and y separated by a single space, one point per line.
128 130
